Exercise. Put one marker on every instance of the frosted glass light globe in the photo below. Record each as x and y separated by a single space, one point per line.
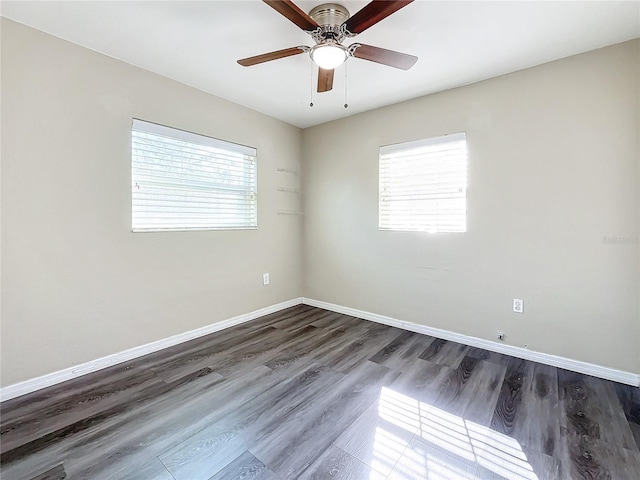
328 56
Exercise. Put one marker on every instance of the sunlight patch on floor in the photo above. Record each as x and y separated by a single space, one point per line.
445 447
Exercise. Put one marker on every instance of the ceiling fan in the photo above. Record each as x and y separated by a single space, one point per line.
329 24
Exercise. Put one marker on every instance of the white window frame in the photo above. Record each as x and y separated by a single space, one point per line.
209 184
423 185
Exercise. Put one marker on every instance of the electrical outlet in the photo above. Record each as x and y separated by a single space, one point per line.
501 336
518 305
265 279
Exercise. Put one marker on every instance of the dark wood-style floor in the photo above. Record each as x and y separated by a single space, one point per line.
306 393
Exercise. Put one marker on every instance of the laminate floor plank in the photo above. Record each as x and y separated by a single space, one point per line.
243 356
180 360
378 437
205 453
487 378
630 400
56 396
318 349
153 470
210 354
123 408
155 429
223 443
338 320
55 473
262 352
456 424
101 439
487 356
500 471
517 380
422 461
204 347
445 353
542 439
217 341
229 356
112 397
309 393
459 395
420 384
451 420
264 321
381 434
279 315
358 351
624 463
303 319
245 467
403 350
312 349
603 400
110 449
336 464
597 435
169 375
290 445
530 391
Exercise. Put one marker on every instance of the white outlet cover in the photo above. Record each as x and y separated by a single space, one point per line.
265 279
518 305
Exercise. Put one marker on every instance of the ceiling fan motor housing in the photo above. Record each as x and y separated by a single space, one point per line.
330 14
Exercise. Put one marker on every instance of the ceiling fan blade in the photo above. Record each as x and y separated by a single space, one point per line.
291 11
385 57
267 57
372 13
325 80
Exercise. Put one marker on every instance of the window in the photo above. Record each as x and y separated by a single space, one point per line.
423 185
185 181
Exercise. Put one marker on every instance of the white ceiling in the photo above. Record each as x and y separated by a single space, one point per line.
198 43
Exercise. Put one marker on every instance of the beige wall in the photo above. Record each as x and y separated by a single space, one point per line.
553 168
77 284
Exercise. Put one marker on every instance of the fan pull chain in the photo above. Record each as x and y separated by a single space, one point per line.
346 105
311 84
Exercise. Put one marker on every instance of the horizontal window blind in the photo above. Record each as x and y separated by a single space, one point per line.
184 181
423 185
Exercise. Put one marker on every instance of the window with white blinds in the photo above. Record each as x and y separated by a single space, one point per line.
423 185
185 181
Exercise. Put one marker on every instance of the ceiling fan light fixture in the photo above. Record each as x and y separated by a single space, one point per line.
328 55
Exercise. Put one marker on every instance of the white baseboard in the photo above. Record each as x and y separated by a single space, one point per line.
28 386
545 358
